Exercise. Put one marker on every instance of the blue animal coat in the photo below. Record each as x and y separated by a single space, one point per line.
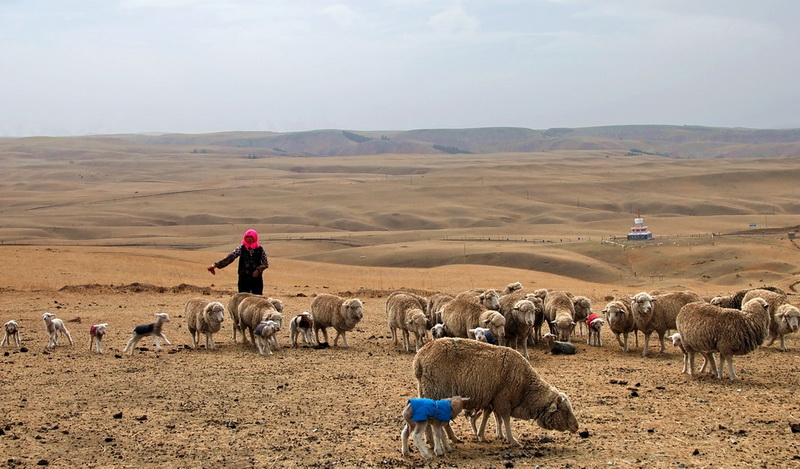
427 409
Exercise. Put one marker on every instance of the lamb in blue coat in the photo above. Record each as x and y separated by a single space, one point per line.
419 412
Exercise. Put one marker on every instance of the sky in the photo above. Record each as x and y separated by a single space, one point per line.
70 67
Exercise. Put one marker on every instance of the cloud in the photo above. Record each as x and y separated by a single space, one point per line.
453 20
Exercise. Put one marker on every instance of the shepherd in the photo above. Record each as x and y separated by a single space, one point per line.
252 263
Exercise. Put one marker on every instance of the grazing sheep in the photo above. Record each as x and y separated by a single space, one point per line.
483 334
11 329
96 334
302 324
560 313
418 413
489 298
621 321
233 310
438 331
403 312
264 337
557 347
435 304
54 328
656 313
496 378
339 313
708 358
463 314
253 311
583 308
594 324
204 317
707 328
153 329
786 321
520 314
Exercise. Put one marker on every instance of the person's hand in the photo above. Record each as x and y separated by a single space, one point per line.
213 270
256 274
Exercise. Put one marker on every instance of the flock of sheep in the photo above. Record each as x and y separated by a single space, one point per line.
466 345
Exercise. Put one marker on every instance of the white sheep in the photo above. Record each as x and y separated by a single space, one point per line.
339 313
153 329
204 317
11 331
55 326
264 337
621 321
96 334
403 312
496 378
438 331
594 324
418 413
786 321
483 334
302 325
520 313
559 310
657 313
463 314
253 311
708 328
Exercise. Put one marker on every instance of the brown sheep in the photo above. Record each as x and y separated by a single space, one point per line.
339 313
463 314
656 313
621 321
204 317
559 310
403 312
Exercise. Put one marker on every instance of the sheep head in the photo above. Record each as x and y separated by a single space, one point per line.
437 331
163 317
559 415
353 308
215 312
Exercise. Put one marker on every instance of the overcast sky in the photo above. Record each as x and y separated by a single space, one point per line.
71 67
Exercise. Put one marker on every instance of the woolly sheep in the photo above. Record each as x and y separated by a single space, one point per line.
558 347
774 299
489 298
204 317
153 329
594 324
339 313
463 314
621 321
302 324
511 288
55 326
422 304
253 310
403 312
520 314
656 313
496 378
559 310
786 321
736 299
418 413
435 304
233 310
583 308
11 331
96 334
264 337
707 328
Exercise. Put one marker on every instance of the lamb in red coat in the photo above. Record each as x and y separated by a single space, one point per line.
594 323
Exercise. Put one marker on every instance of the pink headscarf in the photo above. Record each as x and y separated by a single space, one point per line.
254 244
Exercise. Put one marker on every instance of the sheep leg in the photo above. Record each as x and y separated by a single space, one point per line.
784 348
661 340
731 373
690 353
91 343
393 330
646 345
5 338
404 439
506 420
157 342
99 345
441 445
481 434
450 433
164 338
419 428
132 344
343 334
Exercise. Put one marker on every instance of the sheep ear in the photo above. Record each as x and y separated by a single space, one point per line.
553 406
486 322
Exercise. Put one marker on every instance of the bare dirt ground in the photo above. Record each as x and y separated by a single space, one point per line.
341 407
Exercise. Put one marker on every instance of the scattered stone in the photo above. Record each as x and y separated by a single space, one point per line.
584 434
634 394
142 418
23 349
109 439
118 415
43 462
696 452
795 427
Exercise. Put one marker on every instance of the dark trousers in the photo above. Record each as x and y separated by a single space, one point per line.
250 284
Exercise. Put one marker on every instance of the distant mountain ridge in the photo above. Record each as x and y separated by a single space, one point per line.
662 140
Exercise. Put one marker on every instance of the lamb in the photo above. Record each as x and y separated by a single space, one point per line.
483 334
656 313
785 321
520 317
403 312
708 358
621 321
583 308
707 328
302 324
339 313
557 347
152 329
96 334
264 337
11 329
435 304
594 324
418 413
253 311
496 378
204 317
54 328
438 331
463 314
560 313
